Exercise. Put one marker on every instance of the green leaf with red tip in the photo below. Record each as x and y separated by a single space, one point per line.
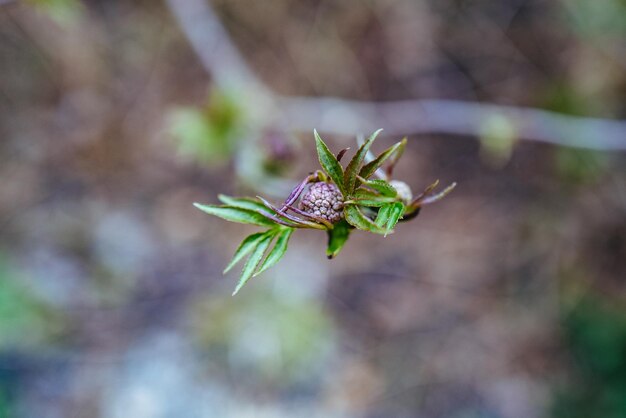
329 163
354 167
394 151
432 198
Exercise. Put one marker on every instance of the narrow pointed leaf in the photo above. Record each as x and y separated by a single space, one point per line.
235 214
373 203
383 215
432 198
427 191
297 191
321 221
395 157
380 186
279 250
256 205
370 168
293 221
329 162
396 212
243 202
362 193
355 217
253 261
341 153
354 167
246 246
360 140
337 238
364 197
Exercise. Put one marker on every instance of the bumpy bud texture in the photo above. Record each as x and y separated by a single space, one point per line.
323 200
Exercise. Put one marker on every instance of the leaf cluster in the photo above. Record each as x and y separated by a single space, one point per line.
257 247
369 204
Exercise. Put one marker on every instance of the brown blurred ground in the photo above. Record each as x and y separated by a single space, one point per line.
497 302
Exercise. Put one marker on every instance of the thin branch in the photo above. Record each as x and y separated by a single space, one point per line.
222 60
452 117
212 43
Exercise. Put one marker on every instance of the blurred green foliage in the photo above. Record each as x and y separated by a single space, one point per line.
63 12
5 406
595 332
564 97
210 134
270 336
597 18
25 320
581 167
575 166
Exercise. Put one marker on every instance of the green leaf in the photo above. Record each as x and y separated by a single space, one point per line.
395 158
354 167
383 215
355 217
381 186
256 205
278 251
254 260
329 162
244 203
362 193
373 203
364 197
396 212
235 214
389 215
337 237
246 246
395 150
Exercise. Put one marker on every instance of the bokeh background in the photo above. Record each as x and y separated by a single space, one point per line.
505 300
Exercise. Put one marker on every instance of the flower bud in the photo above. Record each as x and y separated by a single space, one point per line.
323 200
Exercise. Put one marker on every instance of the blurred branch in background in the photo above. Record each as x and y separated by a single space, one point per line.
452 117
229 70
218 54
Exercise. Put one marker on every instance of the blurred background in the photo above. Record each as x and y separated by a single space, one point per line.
505 300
